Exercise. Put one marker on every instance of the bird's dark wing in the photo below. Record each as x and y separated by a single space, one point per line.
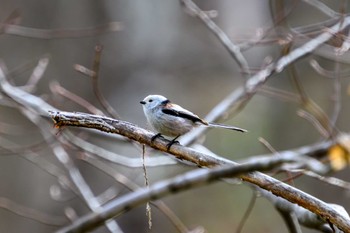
184 114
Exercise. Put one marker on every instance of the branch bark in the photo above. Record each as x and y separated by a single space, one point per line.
131 131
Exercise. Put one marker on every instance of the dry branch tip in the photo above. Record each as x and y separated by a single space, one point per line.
55 118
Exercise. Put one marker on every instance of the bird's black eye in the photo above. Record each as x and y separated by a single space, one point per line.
150 100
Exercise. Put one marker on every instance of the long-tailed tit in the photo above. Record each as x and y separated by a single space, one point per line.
172 120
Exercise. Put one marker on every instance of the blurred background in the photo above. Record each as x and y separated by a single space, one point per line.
162 49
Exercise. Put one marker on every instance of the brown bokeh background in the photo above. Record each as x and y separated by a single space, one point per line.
163 50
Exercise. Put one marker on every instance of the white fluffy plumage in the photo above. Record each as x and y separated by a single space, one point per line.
172 120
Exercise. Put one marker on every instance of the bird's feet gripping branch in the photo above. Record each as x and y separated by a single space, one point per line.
172 142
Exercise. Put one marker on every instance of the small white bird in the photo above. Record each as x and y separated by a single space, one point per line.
172 120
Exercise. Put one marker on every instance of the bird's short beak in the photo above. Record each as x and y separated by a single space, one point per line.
142 102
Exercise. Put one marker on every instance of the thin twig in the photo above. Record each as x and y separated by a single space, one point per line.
278 18
31 213
329 73
95 86
327 179
37 73
311 45
247 212
275 152
336 97
232 48
56 88
111 156
323 8
148 207
279 94
43 164
315 122
129 184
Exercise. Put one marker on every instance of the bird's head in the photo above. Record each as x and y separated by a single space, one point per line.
153 101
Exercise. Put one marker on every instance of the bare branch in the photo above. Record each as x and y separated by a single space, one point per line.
31 213
73 171
329 180
129 184
70 138
328 73
37 74
59 33
24 98
95 80
311 45
36 109
240 96
189 180
203 160
304 217
323 8
57 88
247 213
232 48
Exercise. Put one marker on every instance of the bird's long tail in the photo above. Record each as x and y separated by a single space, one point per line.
217 125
